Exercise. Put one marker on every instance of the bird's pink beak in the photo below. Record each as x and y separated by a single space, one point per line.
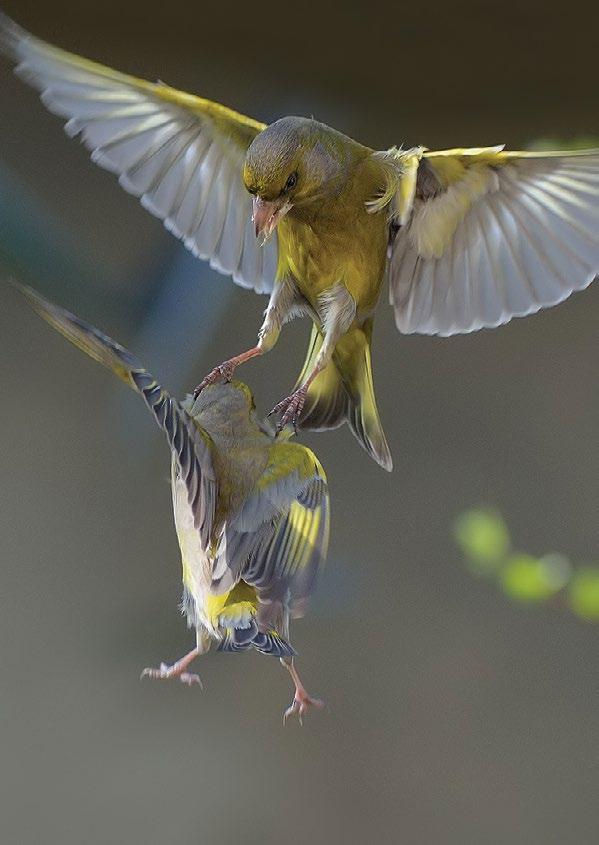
267 213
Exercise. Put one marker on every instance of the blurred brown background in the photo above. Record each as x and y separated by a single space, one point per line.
454 716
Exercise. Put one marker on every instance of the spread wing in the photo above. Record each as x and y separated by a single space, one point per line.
190 445
493 235
279 539
182 155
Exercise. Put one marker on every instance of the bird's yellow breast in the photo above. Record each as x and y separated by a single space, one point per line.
343 243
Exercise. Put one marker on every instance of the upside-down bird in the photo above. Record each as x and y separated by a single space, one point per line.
466 238
251 510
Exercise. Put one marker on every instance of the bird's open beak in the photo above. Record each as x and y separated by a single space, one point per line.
266 214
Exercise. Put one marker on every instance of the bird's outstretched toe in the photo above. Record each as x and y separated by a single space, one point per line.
167 673
300 706
290 408
224 372
190 679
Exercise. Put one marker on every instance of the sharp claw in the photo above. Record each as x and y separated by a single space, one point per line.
290 409
223 372
290 711
166 673
190 679
300 706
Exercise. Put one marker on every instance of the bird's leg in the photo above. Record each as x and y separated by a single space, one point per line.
224 371
176 670
179 669
291 406
336 311
280 307
301 700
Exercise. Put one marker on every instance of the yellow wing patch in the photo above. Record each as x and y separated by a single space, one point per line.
301 530
285 458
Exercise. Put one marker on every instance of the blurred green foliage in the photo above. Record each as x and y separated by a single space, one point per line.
584 142
583 593
484 539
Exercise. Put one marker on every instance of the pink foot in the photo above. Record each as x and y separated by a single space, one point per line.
177 670
224 372
290 408
300 704
166 673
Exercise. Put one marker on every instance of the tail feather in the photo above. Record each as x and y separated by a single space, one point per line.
326 405
266 642
344 392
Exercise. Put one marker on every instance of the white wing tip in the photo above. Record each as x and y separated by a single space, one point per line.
11 37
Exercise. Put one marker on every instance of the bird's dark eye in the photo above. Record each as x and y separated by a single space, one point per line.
291 182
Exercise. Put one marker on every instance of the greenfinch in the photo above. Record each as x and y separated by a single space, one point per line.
466 238
251 511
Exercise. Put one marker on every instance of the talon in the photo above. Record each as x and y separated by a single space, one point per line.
291 711
166 673
191 679
224 372
290 409
177 670
300 705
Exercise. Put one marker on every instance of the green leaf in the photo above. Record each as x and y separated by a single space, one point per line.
582 142
583 593
483 537
528 579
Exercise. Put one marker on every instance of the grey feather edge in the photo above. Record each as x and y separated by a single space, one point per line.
10 35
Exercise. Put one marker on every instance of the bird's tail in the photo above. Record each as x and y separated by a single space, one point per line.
266 642
344 392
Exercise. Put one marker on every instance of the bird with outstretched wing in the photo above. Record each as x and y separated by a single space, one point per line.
467 238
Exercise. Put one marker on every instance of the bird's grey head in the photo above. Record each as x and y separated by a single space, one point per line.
293 162
222 406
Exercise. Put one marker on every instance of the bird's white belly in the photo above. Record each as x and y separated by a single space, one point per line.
197 566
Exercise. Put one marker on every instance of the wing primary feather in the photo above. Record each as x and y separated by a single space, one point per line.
523 236
549 285
545 205
164 145
523 286
153 161
494 287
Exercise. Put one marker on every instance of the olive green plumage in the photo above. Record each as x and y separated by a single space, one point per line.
467 238
335 177
251 510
